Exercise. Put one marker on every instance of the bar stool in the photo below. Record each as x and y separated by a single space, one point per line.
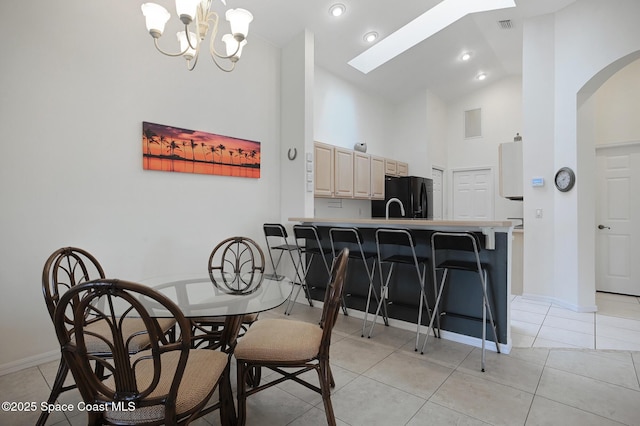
392 245
351 238
276 238
311 248
461 242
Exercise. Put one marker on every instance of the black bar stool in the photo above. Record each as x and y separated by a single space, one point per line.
461 242
309 244
393 245
351 238
276 238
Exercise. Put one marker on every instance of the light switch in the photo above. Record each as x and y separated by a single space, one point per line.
538 213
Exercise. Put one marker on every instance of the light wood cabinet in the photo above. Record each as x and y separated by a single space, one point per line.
377 178
344 173
323 170
361 175
343 176
402 169
390 167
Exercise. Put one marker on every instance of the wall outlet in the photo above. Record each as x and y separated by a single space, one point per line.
538 213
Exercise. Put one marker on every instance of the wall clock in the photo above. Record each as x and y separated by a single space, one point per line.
565 179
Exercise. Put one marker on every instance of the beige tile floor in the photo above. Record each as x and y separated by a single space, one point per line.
565 369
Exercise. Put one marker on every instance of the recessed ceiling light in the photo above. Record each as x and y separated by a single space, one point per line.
481 76
337 9
371 36
424 26
465 56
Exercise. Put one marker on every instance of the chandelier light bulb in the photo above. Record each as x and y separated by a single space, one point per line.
239 20
156 18
234 51
189 52
186 10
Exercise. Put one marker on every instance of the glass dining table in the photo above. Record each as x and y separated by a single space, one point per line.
218 297
218 304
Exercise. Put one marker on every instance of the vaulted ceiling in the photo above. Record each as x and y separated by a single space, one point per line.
433 64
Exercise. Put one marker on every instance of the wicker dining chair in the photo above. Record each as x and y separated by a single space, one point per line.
168 383
282 343
63 270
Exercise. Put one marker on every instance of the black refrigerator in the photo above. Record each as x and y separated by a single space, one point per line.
415 193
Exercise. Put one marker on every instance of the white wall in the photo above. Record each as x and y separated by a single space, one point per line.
616 117
343 116
76 83
566 57
501 105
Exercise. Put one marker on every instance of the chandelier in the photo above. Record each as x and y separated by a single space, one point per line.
199 12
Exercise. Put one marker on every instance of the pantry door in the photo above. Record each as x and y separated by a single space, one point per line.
472 194
618 219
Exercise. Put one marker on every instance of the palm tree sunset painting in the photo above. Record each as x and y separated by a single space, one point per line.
172 149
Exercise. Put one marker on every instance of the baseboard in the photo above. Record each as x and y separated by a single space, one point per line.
561 303
32 361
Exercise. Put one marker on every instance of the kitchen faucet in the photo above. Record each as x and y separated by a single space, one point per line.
395 200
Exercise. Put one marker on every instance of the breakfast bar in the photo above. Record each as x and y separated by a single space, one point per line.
462 303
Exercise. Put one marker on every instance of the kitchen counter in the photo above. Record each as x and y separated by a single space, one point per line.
464 301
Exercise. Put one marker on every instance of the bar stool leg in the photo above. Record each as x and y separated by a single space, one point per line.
436 310
485 307
375 295
384 293
302 279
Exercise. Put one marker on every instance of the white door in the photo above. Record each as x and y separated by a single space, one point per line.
473 194
618 220
438 200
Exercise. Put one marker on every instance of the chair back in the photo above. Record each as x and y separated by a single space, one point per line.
306 232
64 269
462 241
135 378
332 299
237 263
274 230
398 237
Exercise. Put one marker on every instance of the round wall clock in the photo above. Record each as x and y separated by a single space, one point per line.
565 179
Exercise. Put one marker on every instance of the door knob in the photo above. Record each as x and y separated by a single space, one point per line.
603 227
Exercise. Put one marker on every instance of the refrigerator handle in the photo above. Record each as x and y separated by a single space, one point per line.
423 201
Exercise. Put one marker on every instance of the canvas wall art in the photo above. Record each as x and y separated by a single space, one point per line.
173 149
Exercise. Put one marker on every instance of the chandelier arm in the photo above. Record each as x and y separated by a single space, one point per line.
155 41
215 61
213 17
195 62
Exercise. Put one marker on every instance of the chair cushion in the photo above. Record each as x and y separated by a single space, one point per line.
279 340
129 327
202 372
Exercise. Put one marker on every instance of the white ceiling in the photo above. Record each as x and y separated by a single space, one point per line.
433 64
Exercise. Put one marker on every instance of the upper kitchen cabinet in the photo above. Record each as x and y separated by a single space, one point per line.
377 178
324 170
368 176
333 172
395 168
402 168
510 159
343 183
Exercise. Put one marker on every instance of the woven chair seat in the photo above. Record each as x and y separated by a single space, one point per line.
202 372
130 326
280 340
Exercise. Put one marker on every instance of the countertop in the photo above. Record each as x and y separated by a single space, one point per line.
409 222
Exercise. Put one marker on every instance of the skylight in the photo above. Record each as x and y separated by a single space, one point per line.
424 26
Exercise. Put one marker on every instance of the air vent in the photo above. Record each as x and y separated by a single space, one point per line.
505 24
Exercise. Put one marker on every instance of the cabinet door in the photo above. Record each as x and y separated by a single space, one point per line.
343 177
377 178
361 175
323 170
510 160
390 167
402 169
